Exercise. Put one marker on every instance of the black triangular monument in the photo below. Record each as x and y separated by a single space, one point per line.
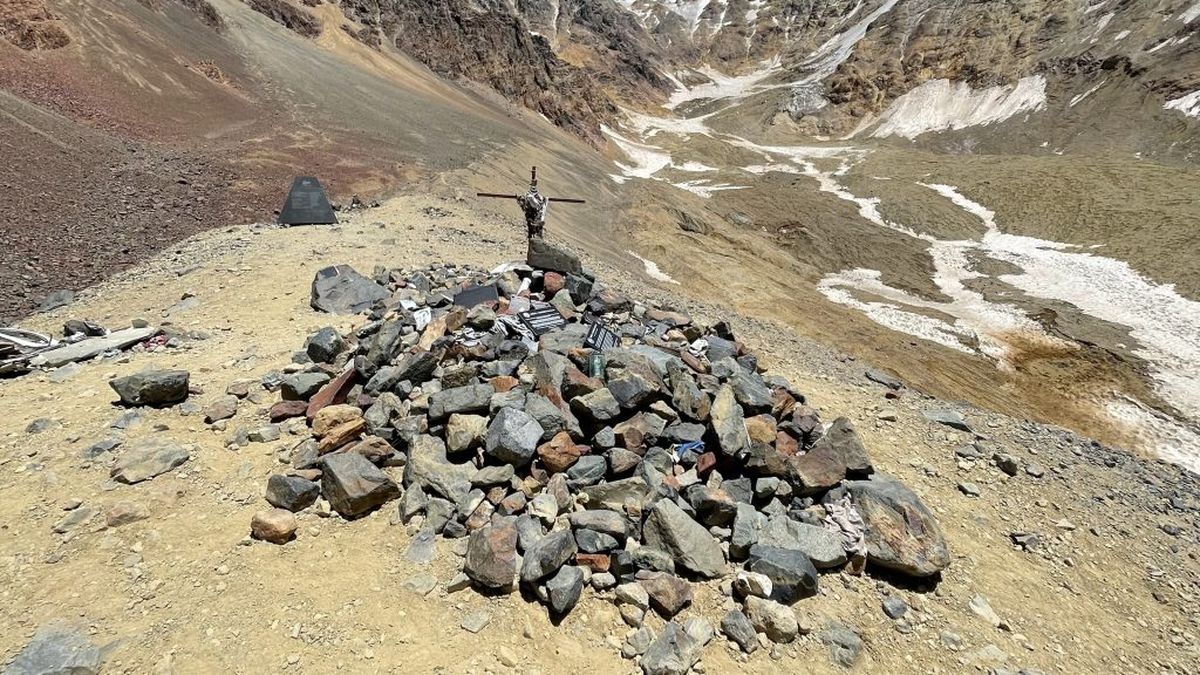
307 204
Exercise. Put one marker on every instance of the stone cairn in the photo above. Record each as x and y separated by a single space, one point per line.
636 469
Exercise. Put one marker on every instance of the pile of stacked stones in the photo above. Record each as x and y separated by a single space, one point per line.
634 470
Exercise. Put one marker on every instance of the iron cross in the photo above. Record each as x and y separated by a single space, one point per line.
533 204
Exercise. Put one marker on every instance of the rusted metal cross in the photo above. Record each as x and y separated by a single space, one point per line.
534 205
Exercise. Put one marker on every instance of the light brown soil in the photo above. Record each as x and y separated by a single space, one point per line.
178 592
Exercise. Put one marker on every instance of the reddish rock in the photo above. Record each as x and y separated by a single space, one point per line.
668 594
503 383
576 383
560 453
284 410
693 362
598 562
333 393
705 464
786 445
373 448
782 404
341 435
553 283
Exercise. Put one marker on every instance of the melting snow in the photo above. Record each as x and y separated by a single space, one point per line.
826 59
647 159
1121 36
1169 439
1188 105
938 105
722 86
1079 97
705 188
652 270
1191 13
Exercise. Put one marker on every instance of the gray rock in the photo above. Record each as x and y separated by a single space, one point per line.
564 589
493 475
792 574
600 405
748 525
354 486
221 409
513 437
341 290
637 643
729 424
492 555
1034 470
611 523
613 495
472 398
885 379
302 386
590 541
39 425
844 644
673 652
691 546
737 627
57 299
894 606
291 492
901 532
56 650
969 489
464 432
543 255
152 387
587 470
777 621
1006 463
324 345
547 555
100 447
823 548
428 468
476 621
150 458
950 418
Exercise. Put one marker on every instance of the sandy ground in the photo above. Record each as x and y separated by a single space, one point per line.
184 591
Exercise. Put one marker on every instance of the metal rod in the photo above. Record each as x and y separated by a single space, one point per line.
567 200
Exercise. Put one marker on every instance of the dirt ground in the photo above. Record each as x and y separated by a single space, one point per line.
185 591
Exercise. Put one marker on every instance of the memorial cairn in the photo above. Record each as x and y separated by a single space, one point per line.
577 439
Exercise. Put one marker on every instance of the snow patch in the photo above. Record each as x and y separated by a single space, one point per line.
1075 100
652 270
1191 13
721 86
705 188
1171 440
938 105
1188 105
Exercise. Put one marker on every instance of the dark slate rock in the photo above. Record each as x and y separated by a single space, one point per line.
152 387
513 437
737 627
748 525
668 528
673 652
590 541
547 555
564 589
57 650
302 386
544 255
341 290
469 399
354 486
792 574
950 418
324 345
588 470
291 492
844 644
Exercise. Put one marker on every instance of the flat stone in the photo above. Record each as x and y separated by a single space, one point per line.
668 594
152 387
844 644
92 347
600 405
56 650
221 409
950 418
476 621
125 512
469 399
302 386
823 547
149 458
340 289
544 255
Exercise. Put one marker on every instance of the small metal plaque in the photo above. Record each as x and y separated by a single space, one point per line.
543 318
600 337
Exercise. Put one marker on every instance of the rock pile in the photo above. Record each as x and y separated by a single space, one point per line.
578 438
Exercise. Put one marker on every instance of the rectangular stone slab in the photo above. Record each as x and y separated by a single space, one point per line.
92 347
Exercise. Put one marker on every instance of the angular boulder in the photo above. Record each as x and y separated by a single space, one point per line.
150 458
792 574
354 486
491 559
902 534
691 546
152 387
513 437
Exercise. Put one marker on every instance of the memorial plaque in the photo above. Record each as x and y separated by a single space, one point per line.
543 318
476 295
600 337
307 204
